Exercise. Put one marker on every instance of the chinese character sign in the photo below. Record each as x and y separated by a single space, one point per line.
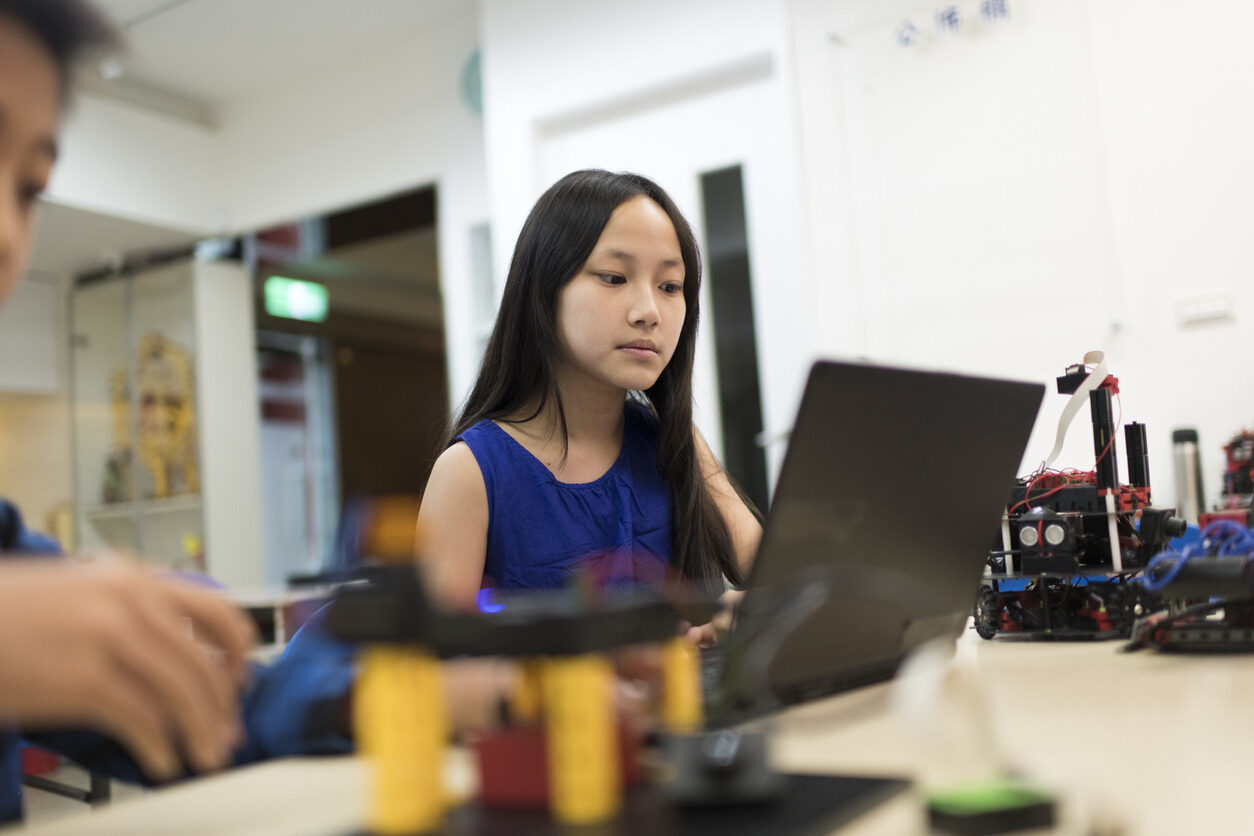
994 10
948 19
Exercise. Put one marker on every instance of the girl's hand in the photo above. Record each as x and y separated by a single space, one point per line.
708 635
477 690
474 690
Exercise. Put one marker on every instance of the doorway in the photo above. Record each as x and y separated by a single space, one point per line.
380 344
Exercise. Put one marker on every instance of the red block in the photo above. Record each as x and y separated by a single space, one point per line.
514 766
1240 516
36 761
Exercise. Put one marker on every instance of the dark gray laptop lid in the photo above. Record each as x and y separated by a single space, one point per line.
890 496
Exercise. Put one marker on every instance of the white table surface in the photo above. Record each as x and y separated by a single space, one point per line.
1142 743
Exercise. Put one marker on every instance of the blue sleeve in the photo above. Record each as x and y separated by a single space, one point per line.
300 704
16 538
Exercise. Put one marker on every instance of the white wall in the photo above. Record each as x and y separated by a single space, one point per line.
131 163
1175 86
35 460
380 124
1004 198
35 457
230 472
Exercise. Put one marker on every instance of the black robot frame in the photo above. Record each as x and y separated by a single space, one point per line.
1070 544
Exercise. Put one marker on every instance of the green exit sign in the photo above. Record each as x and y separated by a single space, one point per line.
295 299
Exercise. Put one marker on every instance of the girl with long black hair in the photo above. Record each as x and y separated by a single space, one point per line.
576 446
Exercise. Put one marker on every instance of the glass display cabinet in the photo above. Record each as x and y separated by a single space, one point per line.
165 418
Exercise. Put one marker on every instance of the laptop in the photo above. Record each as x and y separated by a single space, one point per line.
888 498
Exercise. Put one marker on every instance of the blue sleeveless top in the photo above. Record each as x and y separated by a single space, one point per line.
540 530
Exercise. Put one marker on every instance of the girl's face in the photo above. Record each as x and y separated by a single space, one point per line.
620 317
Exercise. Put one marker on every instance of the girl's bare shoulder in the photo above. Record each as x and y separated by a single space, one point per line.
455 472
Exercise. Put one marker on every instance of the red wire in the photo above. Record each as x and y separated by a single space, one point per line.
1031 481
1067 478
1083 477
1049 492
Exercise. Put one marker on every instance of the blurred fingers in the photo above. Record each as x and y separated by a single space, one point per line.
218 622
123 710
704 635
197 696
633 698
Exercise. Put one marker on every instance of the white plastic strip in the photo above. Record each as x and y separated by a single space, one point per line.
1116 553
1078 400
1005 543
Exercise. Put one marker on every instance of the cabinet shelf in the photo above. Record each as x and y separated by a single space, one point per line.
144 508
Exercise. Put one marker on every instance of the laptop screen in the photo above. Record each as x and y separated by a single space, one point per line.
887 503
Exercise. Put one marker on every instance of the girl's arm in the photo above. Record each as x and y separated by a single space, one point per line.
742 525
452 536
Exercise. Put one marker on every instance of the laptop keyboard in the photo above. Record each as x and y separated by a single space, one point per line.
711 671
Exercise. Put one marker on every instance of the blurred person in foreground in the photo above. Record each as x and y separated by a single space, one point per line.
138 676
103 647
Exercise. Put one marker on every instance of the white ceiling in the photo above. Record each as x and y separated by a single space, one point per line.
217 51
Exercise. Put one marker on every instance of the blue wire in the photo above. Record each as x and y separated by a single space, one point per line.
1222 538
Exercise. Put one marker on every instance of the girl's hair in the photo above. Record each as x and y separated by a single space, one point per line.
524 350
68 29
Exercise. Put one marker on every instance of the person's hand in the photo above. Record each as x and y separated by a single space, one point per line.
708 635
111 648
474 690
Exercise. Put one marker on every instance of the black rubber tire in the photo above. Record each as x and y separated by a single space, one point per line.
987 613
